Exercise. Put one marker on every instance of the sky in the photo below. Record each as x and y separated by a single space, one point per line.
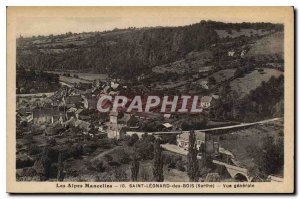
45 25
59 21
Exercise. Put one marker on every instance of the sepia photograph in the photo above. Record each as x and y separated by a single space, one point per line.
138 99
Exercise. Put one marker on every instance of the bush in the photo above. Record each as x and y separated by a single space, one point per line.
28 139
29 172
51 141
131 140
180 165
34 150
171 160
144 149
24 162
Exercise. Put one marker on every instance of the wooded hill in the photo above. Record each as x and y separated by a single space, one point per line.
127 51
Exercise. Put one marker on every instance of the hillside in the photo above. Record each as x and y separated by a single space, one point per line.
269 45
253 80
127 51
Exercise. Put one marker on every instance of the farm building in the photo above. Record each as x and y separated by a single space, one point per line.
47 115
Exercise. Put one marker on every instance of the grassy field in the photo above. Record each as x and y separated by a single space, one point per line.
237 142
193 62
272 44
82 78
252 80
223 75
242 32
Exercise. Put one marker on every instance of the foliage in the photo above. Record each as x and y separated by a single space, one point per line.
144 147
60 168
131 140
192 163
194 123
158 164
261 103
34 149
269 158
135 166
42 166
35 81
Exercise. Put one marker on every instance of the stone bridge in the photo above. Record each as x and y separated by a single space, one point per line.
238 173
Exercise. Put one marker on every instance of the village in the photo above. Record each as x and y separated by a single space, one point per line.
227 113
70 116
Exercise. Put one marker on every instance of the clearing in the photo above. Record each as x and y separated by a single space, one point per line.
252 80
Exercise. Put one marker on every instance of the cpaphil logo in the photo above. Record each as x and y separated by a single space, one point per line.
151 103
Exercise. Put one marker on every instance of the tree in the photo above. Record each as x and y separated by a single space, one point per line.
211 81
135 167
131 140
158 162
192 166
60 168
42 166
268 158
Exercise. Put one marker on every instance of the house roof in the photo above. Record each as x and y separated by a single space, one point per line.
167 115
167 125
82 124
114 85
79 111
72 109
215 96
226 152
206 99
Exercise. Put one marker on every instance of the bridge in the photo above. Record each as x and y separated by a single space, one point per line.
215 130
237 173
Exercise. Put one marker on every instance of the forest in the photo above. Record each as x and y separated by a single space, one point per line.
124 51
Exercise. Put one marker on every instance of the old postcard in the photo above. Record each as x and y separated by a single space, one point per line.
150 99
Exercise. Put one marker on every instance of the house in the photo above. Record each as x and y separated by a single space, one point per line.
73 122
115 129
204 84
114 85
25 117
167 116
53 130
231 53
141 77
82 125
97 83
243 53
90 102
206 101
183 139
205 143
47 115
167 126
195 76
